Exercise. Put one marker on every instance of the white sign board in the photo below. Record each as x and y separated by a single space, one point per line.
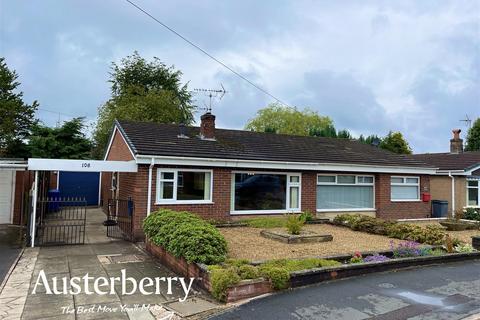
81 165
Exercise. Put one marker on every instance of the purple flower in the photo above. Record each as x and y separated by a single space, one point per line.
376 258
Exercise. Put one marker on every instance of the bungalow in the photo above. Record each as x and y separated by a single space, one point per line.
457 179
223 174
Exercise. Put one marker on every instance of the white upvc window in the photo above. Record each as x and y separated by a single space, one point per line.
184 186
344 192
265 192
404 188
473 193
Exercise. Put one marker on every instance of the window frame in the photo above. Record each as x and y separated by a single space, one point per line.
159 201
357 183
287 193
478 193
404 183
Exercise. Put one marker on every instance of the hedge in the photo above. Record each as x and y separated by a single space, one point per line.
433 235
184 234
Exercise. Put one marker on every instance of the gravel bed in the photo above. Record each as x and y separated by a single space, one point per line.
246 243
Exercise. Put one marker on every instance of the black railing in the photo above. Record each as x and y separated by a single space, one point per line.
120 219
61 221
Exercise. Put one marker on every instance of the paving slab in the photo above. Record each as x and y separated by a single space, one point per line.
191 306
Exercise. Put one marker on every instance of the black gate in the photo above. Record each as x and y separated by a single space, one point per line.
61 221
120 219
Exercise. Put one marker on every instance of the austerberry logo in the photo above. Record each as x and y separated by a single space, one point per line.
103 285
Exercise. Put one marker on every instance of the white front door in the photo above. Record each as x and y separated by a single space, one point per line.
6 195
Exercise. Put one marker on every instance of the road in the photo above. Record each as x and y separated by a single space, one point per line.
449 291
9 249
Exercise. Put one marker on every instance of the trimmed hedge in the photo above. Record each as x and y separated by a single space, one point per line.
184 234
433 235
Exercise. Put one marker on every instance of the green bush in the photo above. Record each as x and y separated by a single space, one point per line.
278 276
183 234
301 264
306 215
247 271
471 214
294 223
221 279
236 262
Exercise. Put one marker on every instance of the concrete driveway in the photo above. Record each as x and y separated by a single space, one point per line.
450 291
9 249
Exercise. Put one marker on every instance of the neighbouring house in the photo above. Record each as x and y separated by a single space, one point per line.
224 174
14 186
457 179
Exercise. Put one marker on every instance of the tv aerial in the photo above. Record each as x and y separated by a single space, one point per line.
211 94
467 121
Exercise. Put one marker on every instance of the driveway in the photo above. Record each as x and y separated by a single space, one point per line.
450 291
9 249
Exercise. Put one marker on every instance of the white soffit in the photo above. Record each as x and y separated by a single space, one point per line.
81 165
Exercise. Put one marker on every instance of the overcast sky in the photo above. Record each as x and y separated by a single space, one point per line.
372 66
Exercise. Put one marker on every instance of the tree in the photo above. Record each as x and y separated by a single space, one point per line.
328 131
473 137
344 134
16 117
143 91
395 142
288 120
65 142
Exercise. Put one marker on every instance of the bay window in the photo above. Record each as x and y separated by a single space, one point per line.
257 192
405 188
345 192
184 186
473 193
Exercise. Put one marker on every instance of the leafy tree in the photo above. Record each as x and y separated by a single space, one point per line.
328 131
287 120
473 137
395 142
344 134
143 91
65 142
16 117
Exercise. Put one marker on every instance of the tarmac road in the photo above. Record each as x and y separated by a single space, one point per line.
9 249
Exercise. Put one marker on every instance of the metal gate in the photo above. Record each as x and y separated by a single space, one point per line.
120 219
61 221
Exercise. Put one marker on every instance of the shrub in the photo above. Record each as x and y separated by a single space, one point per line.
294 223
278 276
302 264
185 235
221 279
465 248
356 258
406 249
247 271
307 215
236 262
471 214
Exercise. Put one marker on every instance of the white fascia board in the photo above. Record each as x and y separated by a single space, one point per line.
452 172
115 129
470 171
13 166
282 165
81 165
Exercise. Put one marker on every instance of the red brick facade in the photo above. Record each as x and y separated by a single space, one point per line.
135 186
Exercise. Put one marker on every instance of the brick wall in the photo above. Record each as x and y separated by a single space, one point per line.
441 189
386 209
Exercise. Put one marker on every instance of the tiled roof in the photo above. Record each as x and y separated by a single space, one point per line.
451 161
162 140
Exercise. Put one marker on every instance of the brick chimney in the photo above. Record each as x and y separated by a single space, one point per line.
207 126
456 144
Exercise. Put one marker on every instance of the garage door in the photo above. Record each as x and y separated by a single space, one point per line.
6 189
80 184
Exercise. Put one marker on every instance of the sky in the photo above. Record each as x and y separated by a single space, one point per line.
371 66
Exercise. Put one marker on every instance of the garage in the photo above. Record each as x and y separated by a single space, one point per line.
7 188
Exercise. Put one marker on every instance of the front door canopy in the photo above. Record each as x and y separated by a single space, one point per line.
35 164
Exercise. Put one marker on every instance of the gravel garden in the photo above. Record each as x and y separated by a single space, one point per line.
236 261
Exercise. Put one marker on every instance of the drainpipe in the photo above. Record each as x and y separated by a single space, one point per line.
34 209
453 193
149 195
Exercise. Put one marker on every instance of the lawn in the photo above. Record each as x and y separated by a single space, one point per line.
246 243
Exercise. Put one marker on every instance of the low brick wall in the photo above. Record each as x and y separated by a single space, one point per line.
243 290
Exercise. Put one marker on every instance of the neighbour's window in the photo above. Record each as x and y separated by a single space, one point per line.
183 186
265 192
344 192
405 188
473 193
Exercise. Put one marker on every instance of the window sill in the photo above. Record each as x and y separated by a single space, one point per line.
347 210
264 212
407 200
182 202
